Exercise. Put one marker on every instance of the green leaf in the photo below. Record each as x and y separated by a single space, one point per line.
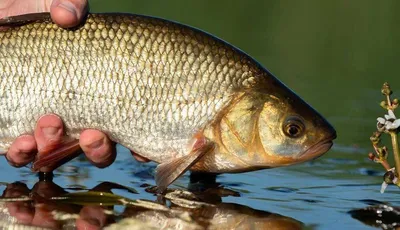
93 198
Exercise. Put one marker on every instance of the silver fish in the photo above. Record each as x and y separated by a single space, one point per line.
171 93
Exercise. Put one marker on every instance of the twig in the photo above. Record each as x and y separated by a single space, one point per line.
391 125
396 152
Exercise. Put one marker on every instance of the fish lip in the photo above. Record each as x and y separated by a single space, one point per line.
317 149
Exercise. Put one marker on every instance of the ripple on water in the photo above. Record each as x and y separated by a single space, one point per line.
341 161
234 184
311 201
372 202
369 172
282 189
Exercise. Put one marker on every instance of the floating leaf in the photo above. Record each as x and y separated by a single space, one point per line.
112 185
92 198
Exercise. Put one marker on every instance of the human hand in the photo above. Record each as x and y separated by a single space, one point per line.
99 149
49 134
66 13
39 211
49 130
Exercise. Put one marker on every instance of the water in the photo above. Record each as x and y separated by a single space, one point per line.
335 55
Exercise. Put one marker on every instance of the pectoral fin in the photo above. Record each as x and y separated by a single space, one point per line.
168 172
54 156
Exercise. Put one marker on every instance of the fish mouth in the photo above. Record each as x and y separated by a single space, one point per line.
317 149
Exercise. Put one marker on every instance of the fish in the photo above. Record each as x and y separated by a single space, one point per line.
171 93
49 207
219 216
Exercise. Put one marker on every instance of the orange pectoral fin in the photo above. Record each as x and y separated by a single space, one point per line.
55 156
168 172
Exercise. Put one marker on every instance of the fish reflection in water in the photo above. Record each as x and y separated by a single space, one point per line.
380 215
24 207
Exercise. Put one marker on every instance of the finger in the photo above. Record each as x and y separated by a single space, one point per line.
22 211
16 189
139 158
18 7
47 189
48 132
99 149
68 13
43 217
22 151
92 217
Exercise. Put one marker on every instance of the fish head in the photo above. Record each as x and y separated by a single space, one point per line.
266 128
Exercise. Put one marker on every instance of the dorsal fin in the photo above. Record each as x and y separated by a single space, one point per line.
25 19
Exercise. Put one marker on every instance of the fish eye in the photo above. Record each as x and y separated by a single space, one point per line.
293 127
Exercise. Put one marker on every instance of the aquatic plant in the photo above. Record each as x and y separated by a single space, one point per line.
388 124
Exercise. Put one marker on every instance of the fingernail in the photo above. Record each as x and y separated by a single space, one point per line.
69 6
96 144
50 132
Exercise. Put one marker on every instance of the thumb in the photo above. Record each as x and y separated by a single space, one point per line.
68 13
18 7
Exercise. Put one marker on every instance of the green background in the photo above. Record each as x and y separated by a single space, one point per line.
334 54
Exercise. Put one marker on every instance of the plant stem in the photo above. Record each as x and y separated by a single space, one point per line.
396 152
385 164
389 102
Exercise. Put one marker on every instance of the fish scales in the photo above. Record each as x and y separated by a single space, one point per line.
150 84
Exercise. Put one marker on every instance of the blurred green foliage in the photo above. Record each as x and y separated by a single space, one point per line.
334 54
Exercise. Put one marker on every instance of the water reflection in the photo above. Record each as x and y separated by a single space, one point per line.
35 208
181 209
381 215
